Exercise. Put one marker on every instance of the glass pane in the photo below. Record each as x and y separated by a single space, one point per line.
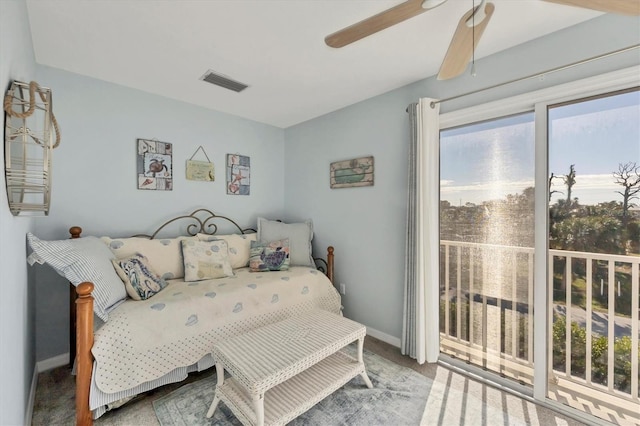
486 240
594 183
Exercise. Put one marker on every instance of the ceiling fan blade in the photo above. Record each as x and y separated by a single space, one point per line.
382 20
462 44
623 7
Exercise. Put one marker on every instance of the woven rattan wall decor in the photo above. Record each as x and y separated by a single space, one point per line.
28 144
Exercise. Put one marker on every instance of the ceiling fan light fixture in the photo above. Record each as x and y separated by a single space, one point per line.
430 4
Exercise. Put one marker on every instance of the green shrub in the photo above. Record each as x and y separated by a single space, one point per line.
599 354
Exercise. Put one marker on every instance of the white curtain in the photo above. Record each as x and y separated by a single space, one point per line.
421 331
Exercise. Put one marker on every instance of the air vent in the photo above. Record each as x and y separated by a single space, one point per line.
223 81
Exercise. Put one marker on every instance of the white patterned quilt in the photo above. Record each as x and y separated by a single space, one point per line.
144 340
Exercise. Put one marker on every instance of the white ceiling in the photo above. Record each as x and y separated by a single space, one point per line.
275 46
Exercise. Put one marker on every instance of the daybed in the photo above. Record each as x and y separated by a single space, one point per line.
138 345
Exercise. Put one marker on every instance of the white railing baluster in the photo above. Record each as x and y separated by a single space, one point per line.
530 310
569 279
635 291
589 318
550 373
611 321
459 293
483 290
514 305
472 256
446 290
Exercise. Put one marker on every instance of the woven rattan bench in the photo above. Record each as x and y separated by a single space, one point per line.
281 370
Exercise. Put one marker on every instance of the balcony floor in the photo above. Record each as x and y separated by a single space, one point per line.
592 401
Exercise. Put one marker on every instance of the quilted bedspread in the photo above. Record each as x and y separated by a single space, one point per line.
144 340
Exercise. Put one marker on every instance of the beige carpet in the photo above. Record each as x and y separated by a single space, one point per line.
453 399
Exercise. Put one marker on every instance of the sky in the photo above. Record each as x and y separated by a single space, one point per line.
486 161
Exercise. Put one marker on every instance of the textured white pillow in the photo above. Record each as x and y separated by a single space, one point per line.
239 247
205 260
299 235
84 259
164 254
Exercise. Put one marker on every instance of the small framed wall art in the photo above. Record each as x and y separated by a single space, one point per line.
154 165
200 170
238 174
349 173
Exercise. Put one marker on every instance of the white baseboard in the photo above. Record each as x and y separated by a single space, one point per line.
51 363
393 341
32 396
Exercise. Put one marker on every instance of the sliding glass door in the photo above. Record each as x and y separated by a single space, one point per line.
486 247
594 241
491 177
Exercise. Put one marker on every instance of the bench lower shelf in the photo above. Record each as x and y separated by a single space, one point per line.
289 399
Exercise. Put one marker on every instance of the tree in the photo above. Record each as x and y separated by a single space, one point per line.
551 178
628 175
600 234
569 181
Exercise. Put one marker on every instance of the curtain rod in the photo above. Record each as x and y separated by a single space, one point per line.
560 68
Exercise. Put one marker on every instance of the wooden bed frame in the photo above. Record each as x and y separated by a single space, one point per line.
81 305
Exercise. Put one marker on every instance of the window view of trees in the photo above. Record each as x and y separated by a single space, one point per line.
607 227
611 227
594 145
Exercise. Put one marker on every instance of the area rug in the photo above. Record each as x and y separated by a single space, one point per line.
398 397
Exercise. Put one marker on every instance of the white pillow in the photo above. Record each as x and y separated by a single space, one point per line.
239 247
164 254
80 260
299 235
205 260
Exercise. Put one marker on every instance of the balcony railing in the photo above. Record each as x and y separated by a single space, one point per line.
487 316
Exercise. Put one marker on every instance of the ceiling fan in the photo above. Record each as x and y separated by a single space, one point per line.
469 30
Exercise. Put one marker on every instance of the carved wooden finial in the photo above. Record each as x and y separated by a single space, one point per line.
84 289
330 249
75 231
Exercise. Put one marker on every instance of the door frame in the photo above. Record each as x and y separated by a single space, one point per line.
538 102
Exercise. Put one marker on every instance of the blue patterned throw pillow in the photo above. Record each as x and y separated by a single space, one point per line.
139 280
272 256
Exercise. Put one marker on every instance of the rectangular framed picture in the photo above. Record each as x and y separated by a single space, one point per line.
350 173
238 174
200 170
154 165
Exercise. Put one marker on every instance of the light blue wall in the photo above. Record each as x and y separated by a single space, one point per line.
94 174
367 225
17 312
